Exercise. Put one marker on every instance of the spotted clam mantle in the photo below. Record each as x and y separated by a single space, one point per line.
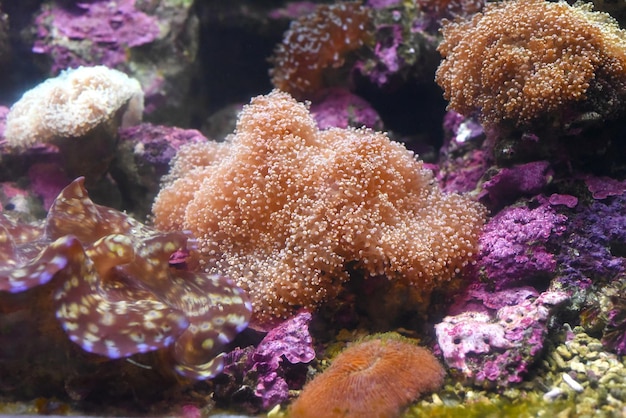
116 293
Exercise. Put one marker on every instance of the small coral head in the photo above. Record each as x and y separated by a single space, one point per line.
375 378
317 45
525 61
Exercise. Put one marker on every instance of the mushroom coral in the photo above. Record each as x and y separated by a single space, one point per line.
378 377
286 210
523 60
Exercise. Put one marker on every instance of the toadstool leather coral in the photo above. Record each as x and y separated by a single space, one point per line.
286 209
524 60
73 104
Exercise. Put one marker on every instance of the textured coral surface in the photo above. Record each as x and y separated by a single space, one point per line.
374 378
316 43
556 55
283 208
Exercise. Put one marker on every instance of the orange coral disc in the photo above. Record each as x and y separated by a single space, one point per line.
375 378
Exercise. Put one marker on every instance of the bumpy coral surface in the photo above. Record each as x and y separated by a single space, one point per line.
375 378
285 209
276 366
72 104
115 292
490 347
525 59
513 246
317 43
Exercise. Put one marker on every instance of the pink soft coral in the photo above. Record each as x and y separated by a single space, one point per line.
284 208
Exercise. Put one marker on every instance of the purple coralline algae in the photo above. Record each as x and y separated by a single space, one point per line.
268 366
293 10
107 29
495 345
556 199
404 47
291 341
339 108
513 246
511 183
380 4
592 248
603 187
46 181
463 161
143 156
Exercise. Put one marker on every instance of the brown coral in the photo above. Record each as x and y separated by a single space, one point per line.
282 208
522 60
317 43
376 378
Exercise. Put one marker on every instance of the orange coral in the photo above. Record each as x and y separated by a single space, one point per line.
316 43
282 208
522 60
376 378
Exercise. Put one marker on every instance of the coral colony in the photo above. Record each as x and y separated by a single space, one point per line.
313 209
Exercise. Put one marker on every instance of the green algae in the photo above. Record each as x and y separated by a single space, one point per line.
532 406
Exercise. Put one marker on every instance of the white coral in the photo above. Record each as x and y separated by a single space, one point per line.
72 104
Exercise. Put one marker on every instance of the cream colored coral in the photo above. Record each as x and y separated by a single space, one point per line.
283 208
521 60
72 104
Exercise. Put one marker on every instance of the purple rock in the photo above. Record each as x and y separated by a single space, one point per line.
389 61
382 4
275 366
591 249
290 340
339 108
293 10
603 187
463 158
563 199
512 183
405 46
143 156
513 246
496 347
107 27
47 180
